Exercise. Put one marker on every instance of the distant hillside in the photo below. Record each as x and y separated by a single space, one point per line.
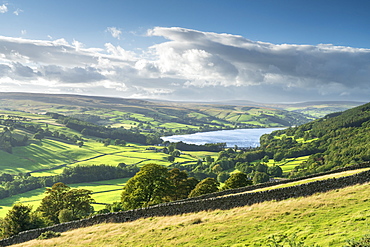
337 140
321 108
149 116
315 109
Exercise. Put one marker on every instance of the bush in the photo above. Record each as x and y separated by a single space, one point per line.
65 215
49 234
363 242
222 177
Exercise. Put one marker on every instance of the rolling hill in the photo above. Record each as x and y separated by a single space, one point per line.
170 116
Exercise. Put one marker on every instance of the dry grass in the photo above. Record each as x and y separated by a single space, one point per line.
327 219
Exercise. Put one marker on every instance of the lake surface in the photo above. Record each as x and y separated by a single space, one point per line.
239 137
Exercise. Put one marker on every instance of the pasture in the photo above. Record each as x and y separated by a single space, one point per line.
107 191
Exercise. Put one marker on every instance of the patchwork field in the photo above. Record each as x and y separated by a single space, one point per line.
107 191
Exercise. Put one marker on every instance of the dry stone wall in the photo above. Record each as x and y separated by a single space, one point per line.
284 181
200 204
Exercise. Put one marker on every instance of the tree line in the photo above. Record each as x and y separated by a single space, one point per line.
87 128
23 182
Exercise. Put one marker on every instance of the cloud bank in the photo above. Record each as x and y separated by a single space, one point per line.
190 65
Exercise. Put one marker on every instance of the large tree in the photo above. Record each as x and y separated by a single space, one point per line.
61 196
148 187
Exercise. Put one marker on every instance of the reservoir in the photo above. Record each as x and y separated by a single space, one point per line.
239 137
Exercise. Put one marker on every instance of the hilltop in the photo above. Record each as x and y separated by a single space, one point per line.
166 115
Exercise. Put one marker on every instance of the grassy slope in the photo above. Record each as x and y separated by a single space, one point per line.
326 219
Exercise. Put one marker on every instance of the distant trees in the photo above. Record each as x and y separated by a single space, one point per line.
16 184
87 128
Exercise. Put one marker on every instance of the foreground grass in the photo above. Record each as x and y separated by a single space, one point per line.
326 219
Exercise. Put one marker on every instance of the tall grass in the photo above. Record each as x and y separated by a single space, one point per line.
325 219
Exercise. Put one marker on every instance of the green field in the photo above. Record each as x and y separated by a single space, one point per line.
107 191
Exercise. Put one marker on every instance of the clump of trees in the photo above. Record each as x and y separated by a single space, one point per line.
61 204
21 218
11 184
91 129
8 140
155 184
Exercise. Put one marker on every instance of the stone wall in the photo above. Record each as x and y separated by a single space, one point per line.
221 201
283 181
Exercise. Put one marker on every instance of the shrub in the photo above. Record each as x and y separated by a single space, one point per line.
363 242
49 234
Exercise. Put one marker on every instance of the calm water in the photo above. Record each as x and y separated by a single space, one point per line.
239 137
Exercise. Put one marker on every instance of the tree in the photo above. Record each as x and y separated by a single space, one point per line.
171 158
222 177
61 196
237 180
266 159
148 187
65 215
278 156
261 167
39 135
206 186
260 177
275 171
181 184
20 218
217 168
107 142
175 153
16 220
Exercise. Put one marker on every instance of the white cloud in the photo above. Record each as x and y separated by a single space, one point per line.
23 32
190 65
3 9
17 12
115 32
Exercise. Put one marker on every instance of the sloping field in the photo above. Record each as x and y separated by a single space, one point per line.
325 219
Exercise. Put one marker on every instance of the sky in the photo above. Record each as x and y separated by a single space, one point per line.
196 50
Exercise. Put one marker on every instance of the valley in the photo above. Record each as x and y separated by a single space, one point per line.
97 144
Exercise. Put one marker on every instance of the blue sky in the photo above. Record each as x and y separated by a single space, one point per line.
265 51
